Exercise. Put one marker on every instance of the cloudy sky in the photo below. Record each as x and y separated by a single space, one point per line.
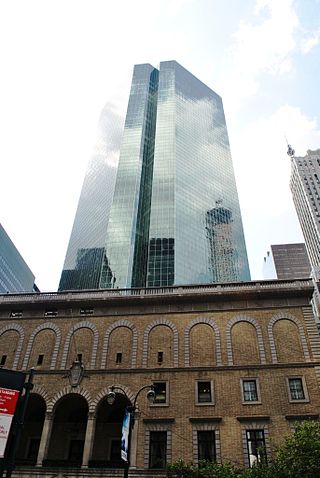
63 60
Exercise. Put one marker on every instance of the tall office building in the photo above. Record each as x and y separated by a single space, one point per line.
286 261
305 187
15 275
174 217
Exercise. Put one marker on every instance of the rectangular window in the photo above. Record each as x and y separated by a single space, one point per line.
3 360
160 390
204 392
206 445
250 390
86 311
256 446
51 313
158 449
40 359
119 357
160 357
296 389
79 357
16 313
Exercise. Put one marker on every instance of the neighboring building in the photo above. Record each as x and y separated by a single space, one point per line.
235 366
172 216
305 187
15 275
287 261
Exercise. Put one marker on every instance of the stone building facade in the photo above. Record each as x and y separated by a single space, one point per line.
234 367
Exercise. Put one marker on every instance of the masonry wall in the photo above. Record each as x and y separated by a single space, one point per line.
223 341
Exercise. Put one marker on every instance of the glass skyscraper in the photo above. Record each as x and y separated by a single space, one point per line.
15 275
174 217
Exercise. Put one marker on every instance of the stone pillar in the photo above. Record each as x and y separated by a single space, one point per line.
45 438
89 439
133 443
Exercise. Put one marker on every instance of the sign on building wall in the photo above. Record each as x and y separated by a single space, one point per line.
8 403
11 385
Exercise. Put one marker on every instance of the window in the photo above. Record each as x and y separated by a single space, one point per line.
297 389
79 357
16 313
86 311
158 449
250 391
51 313
119 357
203 392
160 389
160 357
40 359
256 446
3 360
206 445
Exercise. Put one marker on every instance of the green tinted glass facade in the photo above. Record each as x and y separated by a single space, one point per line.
175 215
196 233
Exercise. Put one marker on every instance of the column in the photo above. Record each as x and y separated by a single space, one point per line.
45 438
89 439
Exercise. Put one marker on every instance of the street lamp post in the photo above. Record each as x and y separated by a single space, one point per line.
131 409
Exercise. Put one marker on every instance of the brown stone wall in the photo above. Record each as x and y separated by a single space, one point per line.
222 344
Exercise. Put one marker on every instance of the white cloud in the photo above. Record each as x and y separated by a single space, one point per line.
311 41
266 47
260 148
261 47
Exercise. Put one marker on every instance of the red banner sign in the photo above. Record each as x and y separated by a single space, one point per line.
8 403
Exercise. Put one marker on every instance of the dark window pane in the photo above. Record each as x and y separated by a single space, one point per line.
40 359
256 446
160 389
206 446
204 392
158 450
296 389
250 393
3 359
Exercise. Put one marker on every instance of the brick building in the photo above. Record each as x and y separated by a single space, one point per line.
234 365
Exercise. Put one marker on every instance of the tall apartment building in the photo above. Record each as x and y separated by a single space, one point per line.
286 261
172 214
15 275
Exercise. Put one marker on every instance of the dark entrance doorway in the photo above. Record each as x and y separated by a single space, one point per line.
107 440
68 432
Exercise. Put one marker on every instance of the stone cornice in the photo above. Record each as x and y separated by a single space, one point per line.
254 291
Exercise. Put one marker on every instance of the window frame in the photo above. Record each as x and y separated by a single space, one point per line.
250 402
161 404
197 401
214 442
304 389
150 449
264 456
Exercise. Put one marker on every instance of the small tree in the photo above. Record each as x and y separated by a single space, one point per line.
206 469
299 455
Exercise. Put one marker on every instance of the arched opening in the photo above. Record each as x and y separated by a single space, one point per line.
31 433
68 432
106 450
